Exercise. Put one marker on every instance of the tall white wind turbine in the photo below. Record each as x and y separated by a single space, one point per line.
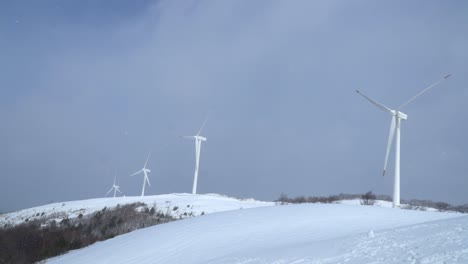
397 116
145 172
198 140
115 188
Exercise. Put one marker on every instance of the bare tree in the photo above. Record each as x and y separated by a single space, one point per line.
368 198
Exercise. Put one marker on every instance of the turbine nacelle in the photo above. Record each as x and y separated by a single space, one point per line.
200 138
399 114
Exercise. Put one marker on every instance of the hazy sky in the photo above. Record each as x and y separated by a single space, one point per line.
87 88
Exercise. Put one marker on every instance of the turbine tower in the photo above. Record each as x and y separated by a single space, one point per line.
145 172
397 116
115 188
198 141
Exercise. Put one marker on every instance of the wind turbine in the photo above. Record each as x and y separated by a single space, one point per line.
115 188
198 141
145 172
397 116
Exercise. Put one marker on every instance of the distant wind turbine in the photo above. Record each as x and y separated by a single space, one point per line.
397 116
198 141
145 172
115 188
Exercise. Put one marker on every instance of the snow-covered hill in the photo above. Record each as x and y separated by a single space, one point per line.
178 205
307 233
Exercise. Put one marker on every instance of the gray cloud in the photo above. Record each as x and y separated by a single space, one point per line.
92 92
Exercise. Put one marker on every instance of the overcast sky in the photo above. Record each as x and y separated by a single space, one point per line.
87 88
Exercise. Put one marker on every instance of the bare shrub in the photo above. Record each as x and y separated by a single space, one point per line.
368 198
413 207
284 199
441 206
459 208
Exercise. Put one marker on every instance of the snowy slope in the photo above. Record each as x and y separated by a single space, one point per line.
308 233
193 205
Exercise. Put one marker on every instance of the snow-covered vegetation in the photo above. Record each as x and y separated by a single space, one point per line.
40 239
177 205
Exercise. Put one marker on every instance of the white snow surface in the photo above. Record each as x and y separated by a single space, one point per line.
307 233
193 205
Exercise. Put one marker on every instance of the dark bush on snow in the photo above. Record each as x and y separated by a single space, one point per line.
284 199
368 198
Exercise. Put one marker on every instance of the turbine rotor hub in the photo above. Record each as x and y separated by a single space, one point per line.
401 115
200 138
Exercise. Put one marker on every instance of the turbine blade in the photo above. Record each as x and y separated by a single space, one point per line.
390 140
109 190
136 173
147 159
379 105
423 91
204 121
147 180
118 190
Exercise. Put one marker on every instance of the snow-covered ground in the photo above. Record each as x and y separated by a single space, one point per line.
185 205
307 233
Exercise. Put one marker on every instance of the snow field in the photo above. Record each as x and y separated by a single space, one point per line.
307 233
